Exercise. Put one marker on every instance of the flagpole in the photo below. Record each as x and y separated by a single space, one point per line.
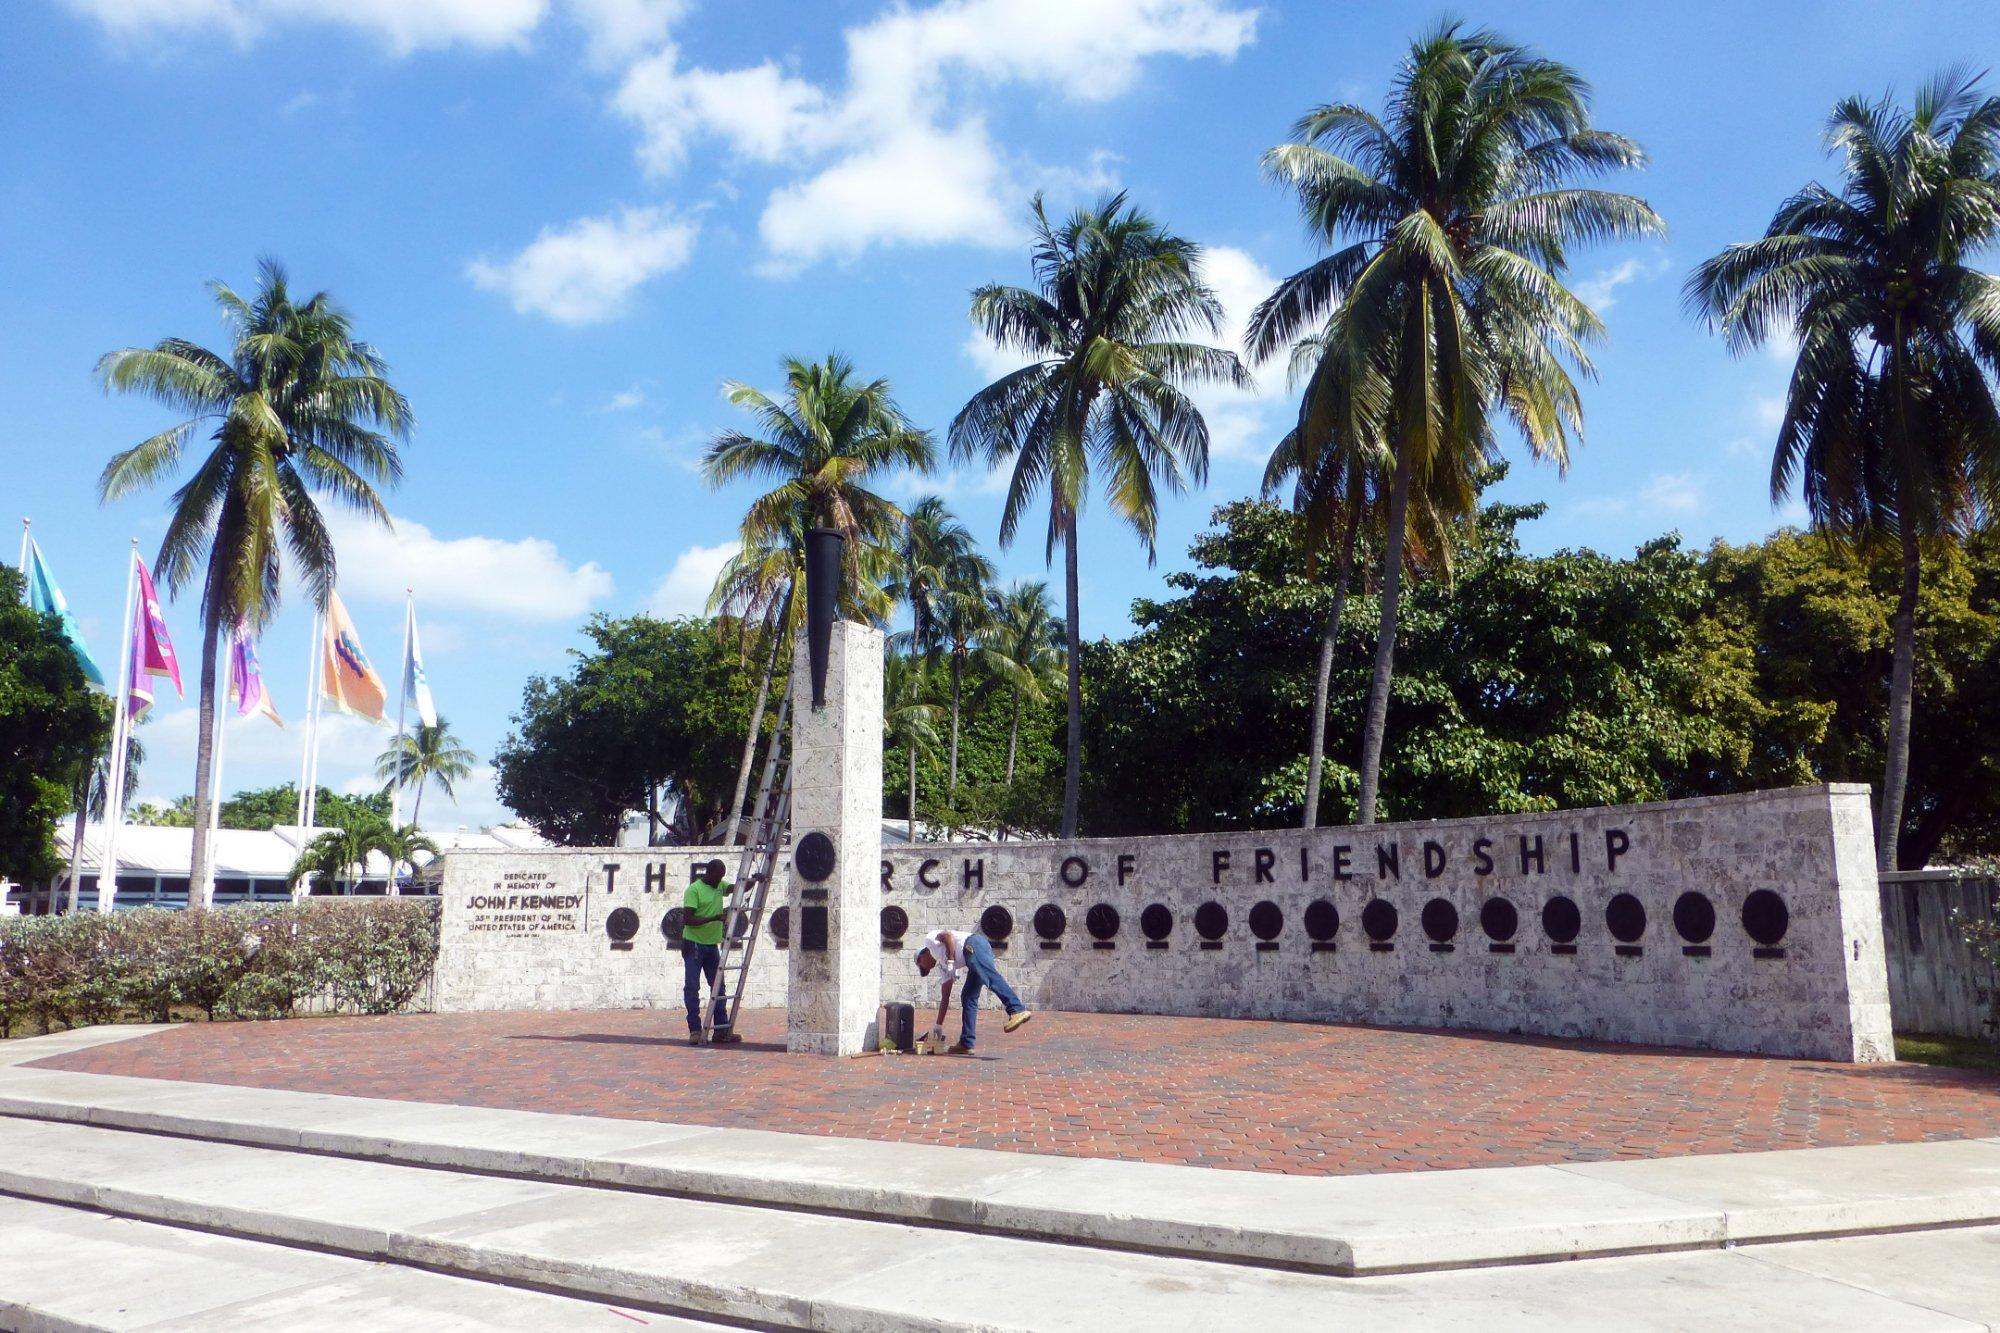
25 524
114 785
402 706
304 812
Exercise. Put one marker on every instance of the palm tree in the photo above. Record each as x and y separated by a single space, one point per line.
936 554
943 577
1453 216
402 846
755 587
1890 430
1115 294
821 444
1022 649
424 754
908 719
297 406
338 856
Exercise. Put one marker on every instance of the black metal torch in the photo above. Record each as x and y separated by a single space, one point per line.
823 552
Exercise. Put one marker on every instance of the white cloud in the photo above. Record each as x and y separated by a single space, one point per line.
899 153
401 25
991 359
761 112
526 579
619 29
924 186
1770 411
257 754
586 272
625 400
1664 492
1675 492
1599 291
1243 424
685 588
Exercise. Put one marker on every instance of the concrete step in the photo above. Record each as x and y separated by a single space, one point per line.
1340 1225
65 1268
656 1256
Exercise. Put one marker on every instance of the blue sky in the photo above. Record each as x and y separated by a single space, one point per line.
565 222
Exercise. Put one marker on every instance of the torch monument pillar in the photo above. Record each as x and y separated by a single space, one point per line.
835 963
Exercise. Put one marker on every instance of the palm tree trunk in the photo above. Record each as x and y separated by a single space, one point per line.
957 671
757 721
1902 672
1377 718
76 841
1073 742
1013 735
199 867
417 810
1316 761
912 748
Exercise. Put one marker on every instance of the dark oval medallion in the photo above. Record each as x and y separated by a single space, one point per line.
813 858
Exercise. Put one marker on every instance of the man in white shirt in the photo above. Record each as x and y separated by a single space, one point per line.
970 956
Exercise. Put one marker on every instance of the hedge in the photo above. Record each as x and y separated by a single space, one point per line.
253 960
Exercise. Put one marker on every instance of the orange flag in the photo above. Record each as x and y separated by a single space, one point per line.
350 684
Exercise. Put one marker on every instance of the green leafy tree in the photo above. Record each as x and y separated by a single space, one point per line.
1442 303
297 406
1891 430
653 708
424 755
1528 683
1107 323
269 807
1815 622
51 730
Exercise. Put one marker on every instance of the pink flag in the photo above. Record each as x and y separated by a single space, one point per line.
152 649
246 679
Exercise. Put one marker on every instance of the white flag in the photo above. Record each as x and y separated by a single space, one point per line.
416 685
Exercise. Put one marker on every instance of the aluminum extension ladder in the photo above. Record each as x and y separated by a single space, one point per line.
743 920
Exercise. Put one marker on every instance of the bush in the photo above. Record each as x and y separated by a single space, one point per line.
251 960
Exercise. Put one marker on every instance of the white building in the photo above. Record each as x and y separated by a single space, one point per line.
250 864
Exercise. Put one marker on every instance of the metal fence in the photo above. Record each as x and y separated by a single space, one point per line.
1937 982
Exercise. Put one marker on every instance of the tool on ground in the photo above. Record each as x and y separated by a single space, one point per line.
743 918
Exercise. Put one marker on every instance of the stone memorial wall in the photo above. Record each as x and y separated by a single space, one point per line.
1746 923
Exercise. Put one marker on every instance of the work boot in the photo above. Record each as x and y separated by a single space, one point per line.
958 1048
726 1038
694 1039
1018 1018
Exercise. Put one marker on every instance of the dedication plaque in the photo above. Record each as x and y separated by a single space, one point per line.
524 902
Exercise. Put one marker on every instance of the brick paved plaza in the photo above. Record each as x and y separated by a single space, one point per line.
1260 1096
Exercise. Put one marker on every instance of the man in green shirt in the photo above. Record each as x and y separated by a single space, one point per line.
702 913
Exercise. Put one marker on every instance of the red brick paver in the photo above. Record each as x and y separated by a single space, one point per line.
1288 1097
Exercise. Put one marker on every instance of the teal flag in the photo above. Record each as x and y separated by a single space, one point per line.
44 596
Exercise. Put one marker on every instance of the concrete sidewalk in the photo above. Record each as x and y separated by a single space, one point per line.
1346 1225
684 1222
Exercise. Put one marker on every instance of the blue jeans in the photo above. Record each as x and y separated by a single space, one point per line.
698 960
981 974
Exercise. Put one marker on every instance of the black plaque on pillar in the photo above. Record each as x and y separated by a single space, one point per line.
823 549
812 927
814 857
